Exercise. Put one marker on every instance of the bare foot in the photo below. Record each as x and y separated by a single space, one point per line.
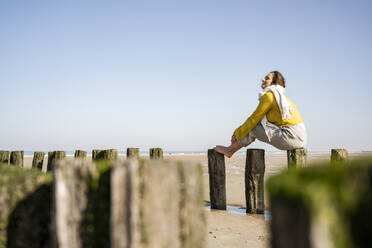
224 150
228 151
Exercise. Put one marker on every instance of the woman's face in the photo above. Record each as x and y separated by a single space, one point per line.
266 81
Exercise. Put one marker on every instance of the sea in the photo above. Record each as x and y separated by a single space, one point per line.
144 153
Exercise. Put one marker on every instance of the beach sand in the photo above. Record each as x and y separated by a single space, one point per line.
233 228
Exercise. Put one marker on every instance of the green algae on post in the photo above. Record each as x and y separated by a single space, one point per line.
4 157
133 153
156 153
38 160
334 199
338 156
25 199
53 157
296 158
80 154
16 159
110 154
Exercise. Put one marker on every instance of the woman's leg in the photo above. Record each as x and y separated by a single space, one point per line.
228 151
290 137
282 138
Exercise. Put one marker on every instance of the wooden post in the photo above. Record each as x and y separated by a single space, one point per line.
306 212
38 160
25 209
290 224
146 193
254 181
217 179
123 203
4 157
95 153
156 153
16 158
133 153
110 154
338 155
80 154
53 157
296 158
192 218
71 185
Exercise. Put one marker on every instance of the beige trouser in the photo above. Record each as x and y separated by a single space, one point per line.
283 138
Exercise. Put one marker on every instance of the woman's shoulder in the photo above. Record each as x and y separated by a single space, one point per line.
268 96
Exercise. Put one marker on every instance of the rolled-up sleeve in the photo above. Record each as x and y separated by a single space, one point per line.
263 107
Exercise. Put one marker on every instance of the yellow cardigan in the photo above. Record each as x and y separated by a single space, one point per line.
269 107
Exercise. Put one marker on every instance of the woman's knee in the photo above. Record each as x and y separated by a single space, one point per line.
247 140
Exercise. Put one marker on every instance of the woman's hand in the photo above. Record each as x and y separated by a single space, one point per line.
233 139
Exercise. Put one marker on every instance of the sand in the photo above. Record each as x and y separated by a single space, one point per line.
233 228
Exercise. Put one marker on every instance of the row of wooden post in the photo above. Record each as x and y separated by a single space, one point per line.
126 203
254 175
16 157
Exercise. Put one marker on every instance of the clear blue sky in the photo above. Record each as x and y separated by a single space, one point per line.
181 75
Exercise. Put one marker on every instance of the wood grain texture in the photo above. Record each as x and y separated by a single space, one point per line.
217 179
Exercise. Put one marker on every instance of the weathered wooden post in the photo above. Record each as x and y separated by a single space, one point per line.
217 179
80 154
123 204
254 181
156 153
176 215
307 209
38 160
71 182
25 208
296 158
95 153
339 155
110 154
290 223
192 218
4 157
133 153
53 157
16 158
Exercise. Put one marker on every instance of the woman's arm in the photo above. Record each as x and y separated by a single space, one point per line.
263 107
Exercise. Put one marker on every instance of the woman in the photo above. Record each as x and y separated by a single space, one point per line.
275 121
